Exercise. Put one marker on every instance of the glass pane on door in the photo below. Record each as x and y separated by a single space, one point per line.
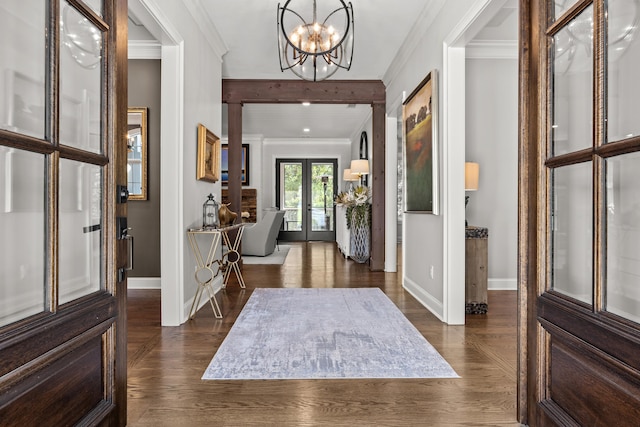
80 81
623 57
22 67
571 231
291 195
322 197
22 227
623 236
572 85
95 5
561 6
80 207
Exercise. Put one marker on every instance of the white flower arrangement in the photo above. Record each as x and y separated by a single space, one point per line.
357 202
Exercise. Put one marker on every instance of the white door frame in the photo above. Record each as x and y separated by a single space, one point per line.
453 141
171 158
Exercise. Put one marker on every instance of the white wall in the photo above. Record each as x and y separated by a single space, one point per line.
423 246
192 58
492 141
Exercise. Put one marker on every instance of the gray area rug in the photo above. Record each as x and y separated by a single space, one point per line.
276 257
324 333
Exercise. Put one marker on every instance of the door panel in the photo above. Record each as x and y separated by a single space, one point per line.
305 190
623 237
23 235
571 231
75 378
62 328
578 261
80 230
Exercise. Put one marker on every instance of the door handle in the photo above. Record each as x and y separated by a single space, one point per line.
129 239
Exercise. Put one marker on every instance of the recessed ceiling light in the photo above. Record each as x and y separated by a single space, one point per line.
306 130
306 103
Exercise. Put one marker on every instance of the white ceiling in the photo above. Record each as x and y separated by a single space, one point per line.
248 28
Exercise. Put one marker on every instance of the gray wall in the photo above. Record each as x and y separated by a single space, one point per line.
492 142
144 215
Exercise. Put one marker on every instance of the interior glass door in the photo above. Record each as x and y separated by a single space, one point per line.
585 327
306 189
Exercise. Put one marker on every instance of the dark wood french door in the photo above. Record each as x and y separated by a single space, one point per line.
579 221
306 189
63 115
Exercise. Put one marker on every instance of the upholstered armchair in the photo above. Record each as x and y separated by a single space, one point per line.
260 239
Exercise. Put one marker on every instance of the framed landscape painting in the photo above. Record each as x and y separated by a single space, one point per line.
420 147
207 168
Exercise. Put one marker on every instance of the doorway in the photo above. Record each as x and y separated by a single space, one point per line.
305 191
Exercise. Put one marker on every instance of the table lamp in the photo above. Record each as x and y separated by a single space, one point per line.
471 177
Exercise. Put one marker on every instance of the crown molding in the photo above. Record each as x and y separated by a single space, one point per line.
206 26
415 37
144 49
492 49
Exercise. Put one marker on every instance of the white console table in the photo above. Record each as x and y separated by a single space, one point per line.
343 235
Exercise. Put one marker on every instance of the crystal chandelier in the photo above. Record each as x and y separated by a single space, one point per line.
314 50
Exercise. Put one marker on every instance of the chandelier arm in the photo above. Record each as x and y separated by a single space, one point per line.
349 20
281 12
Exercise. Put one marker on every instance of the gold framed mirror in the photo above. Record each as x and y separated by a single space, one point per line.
137 153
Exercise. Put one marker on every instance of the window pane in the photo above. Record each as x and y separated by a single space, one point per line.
573 85
96 5
322 197
22 67
80 81
571 225
623 57
291 195
561 6
623 236
22 227
80 206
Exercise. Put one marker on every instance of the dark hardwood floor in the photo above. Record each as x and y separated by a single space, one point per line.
166 363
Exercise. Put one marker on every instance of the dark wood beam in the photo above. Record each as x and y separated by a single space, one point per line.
373 92
296 91
235 157
377 188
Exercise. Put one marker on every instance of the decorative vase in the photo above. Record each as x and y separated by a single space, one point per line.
360 234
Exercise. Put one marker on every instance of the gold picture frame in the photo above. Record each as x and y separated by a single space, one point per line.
208 163
137 161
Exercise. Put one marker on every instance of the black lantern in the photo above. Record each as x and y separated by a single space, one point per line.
210 212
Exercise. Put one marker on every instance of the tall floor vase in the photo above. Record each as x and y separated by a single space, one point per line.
360 236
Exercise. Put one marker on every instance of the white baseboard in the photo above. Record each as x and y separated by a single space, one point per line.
502 284
143 283
424 298
217 287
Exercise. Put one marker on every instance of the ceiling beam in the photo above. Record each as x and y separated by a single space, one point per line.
297 91
235 93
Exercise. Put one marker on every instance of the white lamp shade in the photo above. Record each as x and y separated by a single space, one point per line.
471 176
348 176
360 167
